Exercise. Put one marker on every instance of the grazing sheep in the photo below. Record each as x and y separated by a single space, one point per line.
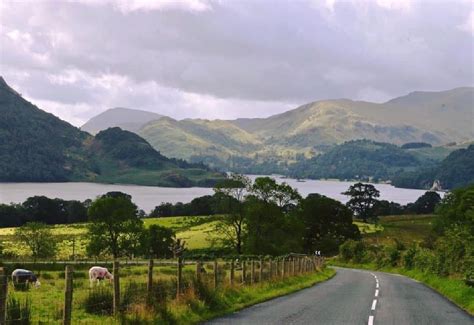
97 273
24 276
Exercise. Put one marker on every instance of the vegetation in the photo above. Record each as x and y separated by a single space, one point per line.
363 197
358 159
38 237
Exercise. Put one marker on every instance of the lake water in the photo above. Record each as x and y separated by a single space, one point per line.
147 197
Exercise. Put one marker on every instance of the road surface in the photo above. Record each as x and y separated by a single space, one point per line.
356 297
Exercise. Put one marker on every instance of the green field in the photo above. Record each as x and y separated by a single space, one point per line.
196 231
407 229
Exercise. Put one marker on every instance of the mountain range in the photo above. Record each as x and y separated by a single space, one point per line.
436 118
36 146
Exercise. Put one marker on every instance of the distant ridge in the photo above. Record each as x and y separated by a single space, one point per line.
125 118
437 118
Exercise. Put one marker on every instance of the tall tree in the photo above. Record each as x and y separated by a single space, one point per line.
114 226
231 194
159 240
362 200
327 224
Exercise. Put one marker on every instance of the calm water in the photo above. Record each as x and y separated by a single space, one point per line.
147 197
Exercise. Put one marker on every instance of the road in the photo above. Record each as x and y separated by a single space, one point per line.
356 297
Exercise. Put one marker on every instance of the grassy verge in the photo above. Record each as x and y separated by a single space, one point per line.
231 299
453 289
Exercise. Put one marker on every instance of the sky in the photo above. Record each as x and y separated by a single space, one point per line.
227 59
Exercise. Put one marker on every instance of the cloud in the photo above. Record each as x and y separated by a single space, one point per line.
225 59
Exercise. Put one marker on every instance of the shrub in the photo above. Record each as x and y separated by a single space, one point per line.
352 250
99 301
409 258
17 312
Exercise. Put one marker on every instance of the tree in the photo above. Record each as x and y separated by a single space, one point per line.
268 190
363 198
39 239
425 203
231 194
114 226
159 239
327 224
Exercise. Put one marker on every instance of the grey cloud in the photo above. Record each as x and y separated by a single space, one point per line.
278 52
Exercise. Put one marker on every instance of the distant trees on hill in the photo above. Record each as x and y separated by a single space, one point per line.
416 145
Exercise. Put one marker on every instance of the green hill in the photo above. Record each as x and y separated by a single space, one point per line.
456 170
359 159
36 146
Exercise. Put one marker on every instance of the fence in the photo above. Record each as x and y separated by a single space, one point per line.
68 297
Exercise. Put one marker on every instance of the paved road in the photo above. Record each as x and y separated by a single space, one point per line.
351 297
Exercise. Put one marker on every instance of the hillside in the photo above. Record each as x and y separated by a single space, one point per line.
36 146
456 170
125 118
359 159
433 117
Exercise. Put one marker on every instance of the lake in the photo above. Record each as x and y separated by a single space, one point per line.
147 197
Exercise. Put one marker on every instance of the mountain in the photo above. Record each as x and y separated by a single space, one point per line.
36 146
456 170
125 118
436 118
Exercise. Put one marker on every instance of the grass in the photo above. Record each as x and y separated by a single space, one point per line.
452 288
407 229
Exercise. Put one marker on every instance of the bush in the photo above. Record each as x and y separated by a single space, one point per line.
17 312
352 250
409 258
99 301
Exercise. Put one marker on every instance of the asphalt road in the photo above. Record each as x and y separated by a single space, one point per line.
351 297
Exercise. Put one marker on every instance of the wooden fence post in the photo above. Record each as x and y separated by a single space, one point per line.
252 274
244 271
232 272
293 267
179 277
216 273
284 267
67 311
270 272
149 284
116 301
260 270
198 271
3 296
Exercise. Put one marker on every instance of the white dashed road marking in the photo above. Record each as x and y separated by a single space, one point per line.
371 320
374 302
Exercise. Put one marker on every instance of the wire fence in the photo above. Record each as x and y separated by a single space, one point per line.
70 297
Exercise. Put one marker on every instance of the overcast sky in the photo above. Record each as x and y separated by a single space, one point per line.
228 59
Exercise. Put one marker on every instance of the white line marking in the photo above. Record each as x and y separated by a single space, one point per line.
374 303
377 285
377 292
371 320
